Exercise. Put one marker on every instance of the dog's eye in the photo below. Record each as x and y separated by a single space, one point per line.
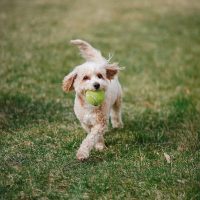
86 78
99 76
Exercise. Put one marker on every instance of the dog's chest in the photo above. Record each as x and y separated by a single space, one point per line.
85 115
89 118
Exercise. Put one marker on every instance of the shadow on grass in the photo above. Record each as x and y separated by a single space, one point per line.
19 111
75 164
151 127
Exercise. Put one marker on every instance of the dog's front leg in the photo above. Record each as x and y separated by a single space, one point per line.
90 141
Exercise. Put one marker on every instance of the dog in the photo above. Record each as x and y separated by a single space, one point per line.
95 74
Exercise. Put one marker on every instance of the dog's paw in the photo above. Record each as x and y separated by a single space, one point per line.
100 146
117 125
82 155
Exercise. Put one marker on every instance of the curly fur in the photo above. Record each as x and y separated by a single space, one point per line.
94 119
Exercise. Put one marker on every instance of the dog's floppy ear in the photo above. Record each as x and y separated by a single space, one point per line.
88 52
68 81
112 70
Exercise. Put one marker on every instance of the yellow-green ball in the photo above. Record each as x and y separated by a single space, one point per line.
95 98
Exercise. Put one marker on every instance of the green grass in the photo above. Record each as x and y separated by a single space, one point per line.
159 44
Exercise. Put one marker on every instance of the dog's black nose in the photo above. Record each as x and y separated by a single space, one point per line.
96 86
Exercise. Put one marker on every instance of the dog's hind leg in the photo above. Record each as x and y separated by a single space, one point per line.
115 114
99 146
86 128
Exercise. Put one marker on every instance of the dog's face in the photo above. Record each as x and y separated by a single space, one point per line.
94 74
89 76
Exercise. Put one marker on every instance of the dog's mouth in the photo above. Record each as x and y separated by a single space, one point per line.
94 90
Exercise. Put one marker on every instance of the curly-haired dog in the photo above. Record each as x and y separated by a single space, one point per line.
95 74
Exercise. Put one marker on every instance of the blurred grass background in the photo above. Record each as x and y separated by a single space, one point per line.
159 44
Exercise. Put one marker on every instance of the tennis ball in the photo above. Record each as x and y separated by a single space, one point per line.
95 98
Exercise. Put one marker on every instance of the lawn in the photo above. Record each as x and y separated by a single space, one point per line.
158 43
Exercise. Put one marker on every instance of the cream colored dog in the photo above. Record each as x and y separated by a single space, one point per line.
95 74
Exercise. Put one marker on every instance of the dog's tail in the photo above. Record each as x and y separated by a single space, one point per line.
88 52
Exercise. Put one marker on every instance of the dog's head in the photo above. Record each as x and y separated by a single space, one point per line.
94 74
